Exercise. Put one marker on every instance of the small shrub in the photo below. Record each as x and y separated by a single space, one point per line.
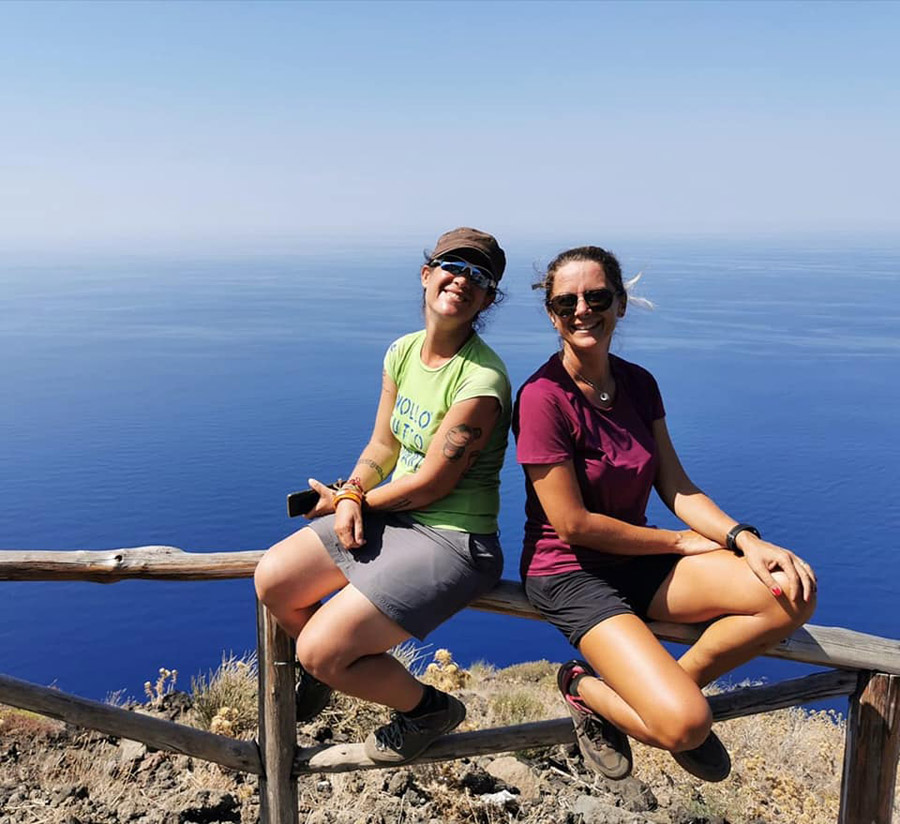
515 707
227 698
445 674
165 684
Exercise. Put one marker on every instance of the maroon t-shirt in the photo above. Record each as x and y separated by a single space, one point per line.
613 451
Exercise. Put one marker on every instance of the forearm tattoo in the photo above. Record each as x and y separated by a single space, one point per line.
369 462
458 438
403 503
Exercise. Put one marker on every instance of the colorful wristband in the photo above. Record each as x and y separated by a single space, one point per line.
347 495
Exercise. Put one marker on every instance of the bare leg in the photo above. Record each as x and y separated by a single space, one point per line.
344 645
644 691
657 700
292 578
704 587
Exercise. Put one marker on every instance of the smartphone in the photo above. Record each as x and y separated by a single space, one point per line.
299 503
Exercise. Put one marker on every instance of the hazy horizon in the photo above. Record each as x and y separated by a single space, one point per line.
191 124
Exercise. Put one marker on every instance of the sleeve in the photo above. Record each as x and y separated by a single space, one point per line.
392 360
654 397
644 392
485 382
543 431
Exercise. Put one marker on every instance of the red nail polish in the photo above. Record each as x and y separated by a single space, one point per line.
776 591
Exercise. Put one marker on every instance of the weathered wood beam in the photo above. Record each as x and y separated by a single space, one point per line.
735 704
871 751
823 646
106 566
768 697
277 721
156 732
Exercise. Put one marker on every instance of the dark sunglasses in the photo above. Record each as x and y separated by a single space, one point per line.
563 306
481 277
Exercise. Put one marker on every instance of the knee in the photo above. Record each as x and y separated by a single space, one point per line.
321 657
683 727
791 612
268 577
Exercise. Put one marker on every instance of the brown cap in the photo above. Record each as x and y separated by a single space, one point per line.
458 240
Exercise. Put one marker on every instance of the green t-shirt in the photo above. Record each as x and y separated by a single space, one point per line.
423 397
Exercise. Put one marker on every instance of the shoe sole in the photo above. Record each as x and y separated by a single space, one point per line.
699 770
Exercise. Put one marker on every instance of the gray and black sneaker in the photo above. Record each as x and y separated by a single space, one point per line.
405 738
710 761
311 696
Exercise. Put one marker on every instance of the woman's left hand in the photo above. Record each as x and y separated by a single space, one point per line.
764 558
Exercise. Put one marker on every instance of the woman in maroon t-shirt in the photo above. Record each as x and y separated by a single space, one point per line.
591 435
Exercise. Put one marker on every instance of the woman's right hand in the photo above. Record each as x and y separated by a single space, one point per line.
688 542
348 524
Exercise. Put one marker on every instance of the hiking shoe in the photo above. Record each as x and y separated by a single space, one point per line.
405 738
311 696
603 746
710 761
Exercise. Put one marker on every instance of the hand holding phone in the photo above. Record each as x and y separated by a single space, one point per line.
299 503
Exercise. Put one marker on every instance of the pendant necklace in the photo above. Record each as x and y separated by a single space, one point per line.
603 396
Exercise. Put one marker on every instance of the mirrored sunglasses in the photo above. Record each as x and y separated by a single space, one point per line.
480 276
564 305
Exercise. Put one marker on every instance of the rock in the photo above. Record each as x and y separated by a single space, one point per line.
504 799
398 782
634 794
479 782
130 751
208 806
174 704
517 774
594 811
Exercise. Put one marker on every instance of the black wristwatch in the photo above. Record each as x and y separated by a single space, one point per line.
731 537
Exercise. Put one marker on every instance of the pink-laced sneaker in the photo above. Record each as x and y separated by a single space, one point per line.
604 746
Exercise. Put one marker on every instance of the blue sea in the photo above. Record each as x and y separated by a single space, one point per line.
176 400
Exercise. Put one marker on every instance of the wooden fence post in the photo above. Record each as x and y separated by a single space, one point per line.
277 721
871 751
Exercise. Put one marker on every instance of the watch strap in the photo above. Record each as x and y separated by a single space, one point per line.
731 537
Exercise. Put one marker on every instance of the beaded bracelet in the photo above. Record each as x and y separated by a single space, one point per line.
356 482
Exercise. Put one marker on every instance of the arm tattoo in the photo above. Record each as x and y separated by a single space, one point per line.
375 466
458 438
403 503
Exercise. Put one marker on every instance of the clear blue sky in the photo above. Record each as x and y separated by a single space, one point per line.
152 123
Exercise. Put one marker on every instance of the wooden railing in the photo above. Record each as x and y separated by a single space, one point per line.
864 667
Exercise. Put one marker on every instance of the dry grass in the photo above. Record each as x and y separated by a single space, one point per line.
787 764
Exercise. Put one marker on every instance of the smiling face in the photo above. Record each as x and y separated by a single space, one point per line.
453 297
585 327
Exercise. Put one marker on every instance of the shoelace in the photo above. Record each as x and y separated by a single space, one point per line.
392 735
595 731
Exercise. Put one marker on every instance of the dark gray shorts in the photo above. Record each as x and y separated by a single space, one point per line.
415 574
575 602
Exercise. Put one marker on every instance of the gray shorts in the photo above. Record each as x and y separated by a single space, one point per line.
417 575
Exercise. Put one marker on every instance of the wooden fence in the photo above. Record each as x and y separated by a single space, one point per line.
864 667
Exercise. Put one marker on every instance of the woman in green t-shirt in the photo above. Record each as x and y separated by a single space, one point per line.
401 556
